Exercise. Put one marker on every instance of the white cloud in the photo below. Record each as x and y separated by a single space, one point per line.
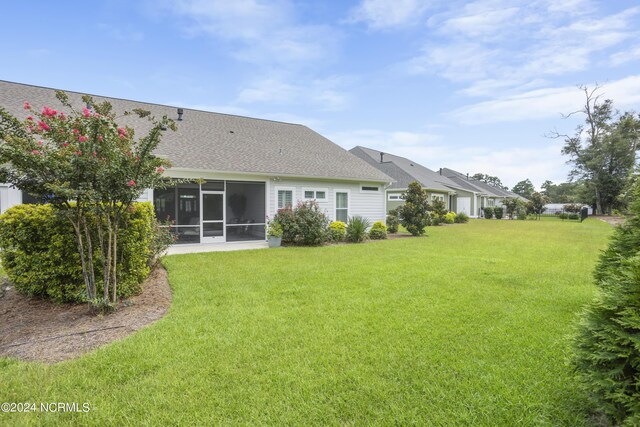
386 14
547 103
493 46
511 165
327 94
625 56
259 31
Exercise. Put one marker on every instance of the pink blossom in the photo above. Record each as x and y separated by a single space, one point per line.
122 131
76 131
121 136
35 152
62 116
43 126
83 138
96 115
78 153
26 106
40 143
131 183
49 112
65 145
86 112
30 118
95 154
100 138
160 169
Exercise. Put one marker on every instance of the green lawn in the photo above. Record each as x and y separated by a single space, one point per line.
467 326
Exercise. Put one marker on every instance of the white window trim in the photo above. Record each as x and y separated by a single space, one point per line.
437 197
399 199
335 202
293 196
370 191
315 191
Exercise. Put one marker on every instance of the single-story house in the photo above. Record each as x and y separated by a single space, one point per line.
484 195
244 169
404 171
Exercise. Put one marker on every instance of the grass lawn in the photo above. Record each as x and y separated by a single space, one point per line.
467 326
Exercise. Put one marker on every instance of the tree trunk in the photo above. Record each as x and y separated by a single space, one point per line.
83 262
598 202
114 256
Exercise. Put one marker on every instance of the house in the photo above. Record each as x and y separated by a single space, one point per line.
484 195
243 169
457 197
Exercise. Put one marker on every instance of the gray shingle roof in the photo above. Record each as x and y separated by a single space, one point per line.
480 186
405 171
220 142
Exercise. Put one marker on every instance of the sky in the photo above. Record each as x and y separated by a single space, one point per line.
475 86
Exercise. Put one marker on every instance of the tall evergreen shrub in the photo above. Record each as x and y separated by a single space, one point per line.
607 344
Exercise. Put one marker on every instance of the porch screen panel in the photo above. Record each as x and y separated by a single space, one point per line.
246 210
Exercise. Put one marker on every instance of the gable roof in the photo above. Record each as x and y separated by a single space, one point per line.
405 171
220 142
480 186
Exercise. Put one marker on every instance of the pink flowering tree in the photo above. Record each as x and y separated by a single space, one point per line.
90 169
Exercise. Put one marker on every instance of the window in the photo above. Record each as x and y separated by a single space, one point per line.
437 197
369 189
491 202
342 206
319 195
285 198
397 197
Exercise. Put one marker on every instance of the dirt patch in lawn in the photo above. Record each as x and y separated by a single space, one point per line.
613 220
38 330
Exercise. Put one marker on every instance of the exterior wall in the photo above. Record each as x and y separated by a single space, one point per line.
367 204
9 196
392 204
461 193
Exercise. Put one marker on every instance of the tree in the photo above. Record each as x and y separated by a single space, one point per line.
89 169
536 204
414 213
524 188
511 206
603 149
565 192
491 180
607 343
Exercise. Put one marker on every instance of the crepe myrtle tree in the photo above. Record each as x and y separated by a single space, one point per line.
90 169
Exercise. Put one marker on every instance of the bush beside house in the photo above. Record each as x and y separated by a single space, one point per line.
39 254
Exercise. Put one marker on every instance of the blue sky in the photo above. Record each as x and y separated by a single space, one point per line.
470 85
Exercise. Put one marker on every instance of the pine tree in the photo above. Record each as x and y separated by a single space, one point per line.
607 345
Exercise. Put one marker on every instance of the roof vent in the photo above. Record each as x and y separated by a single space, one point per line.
440 171
467 176
381 157
410 164
180 113
231 131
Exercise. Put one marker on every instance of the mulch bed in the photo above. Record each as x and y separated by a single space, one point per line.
37 330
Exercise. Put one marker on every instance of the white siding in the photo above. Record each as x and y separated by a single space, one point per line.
370 205
9 196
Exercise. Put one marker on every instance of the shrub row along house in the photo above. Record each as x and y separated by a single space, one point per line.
242 170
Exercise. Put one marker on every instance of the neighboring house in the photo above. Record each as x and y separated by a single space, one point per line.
244 169
483 194
457 197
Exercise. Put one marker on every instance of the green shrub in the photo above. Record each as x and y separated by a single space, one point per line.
488 212
450 218
414 213
607 342
40 257
498 211
563 215
392 221
306 224
434 220
312 223
378 231
357 229
274 229
521 213
286 219
573 216
337 231
462 218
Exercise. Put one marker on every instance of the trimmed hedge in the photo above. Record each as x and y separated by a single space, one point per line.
337 231
378 231
39 252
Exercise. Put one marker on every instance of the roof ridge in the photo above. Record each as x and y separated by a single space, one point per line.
150 103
